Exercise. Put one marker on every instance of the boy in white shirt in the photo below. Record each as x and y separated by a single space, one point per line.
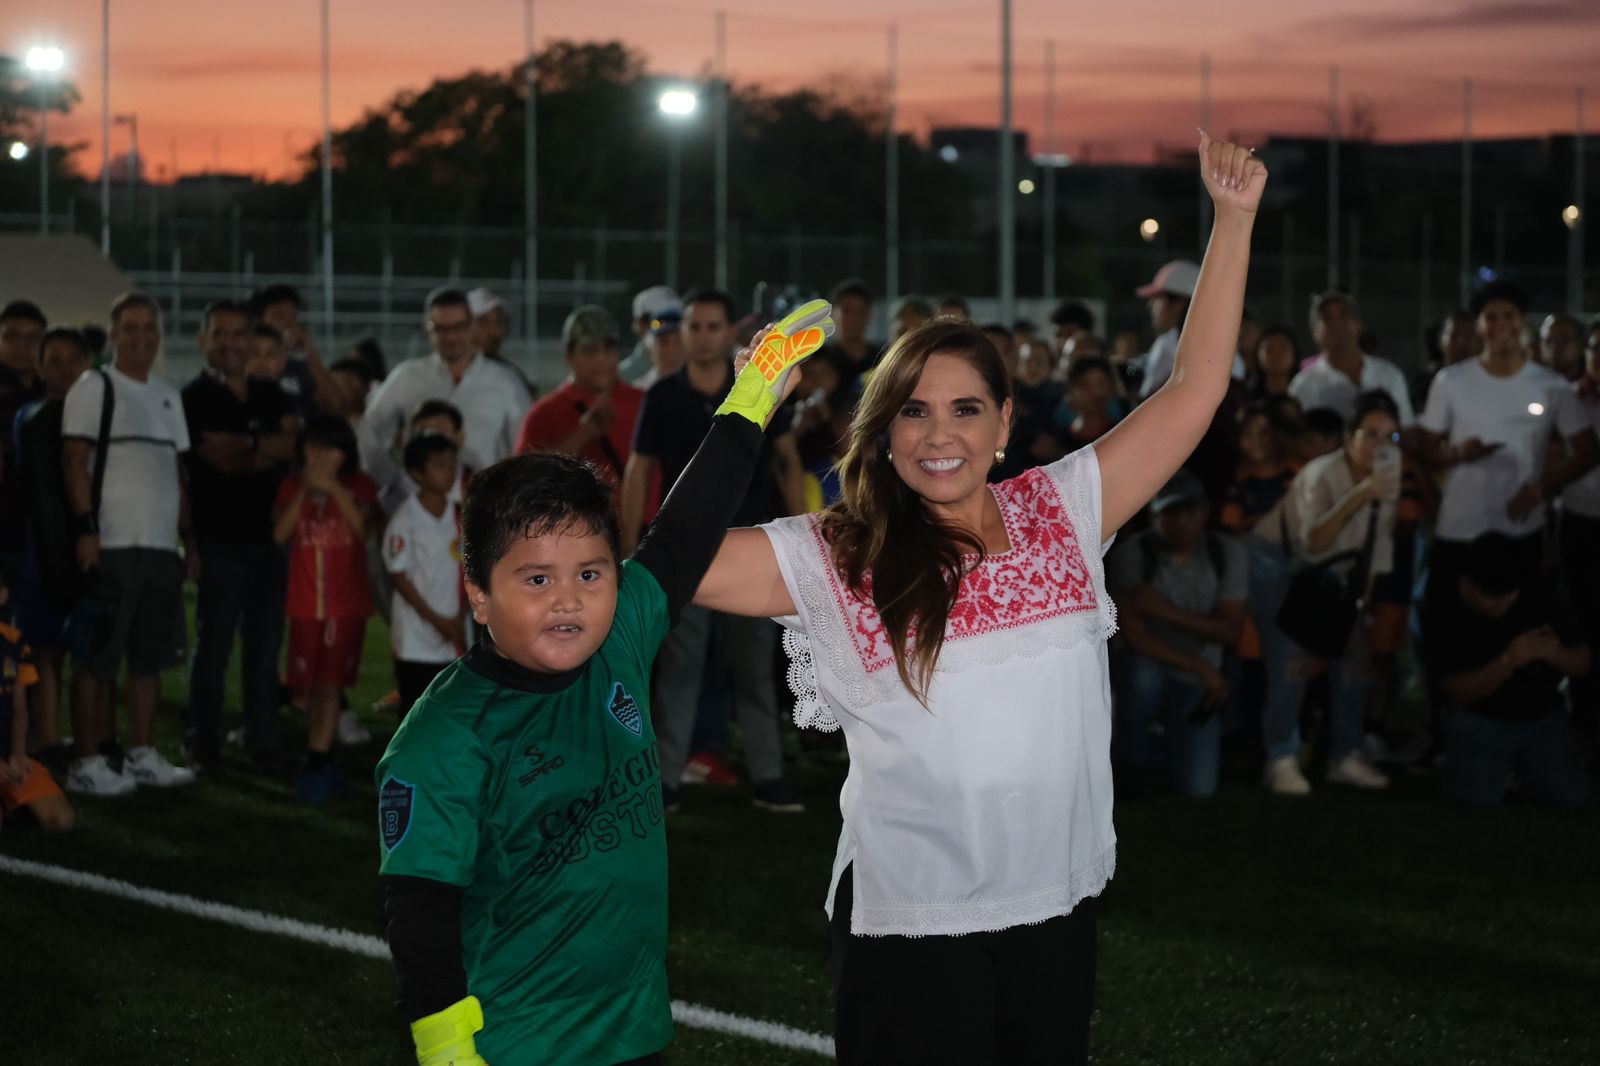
422 554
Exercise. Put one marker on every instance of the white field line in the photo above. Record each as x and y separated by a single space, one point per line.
691 1015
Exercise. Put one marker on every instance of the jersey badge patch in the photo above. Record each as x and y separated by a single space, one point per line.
625 709
394 810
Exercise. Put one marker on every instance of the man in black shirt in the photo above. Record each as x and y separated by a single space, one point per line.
1500 662
673 420
21 326
242 435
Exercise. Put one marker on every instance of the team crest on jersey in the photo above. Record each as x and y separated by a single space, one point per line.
394 810
625 709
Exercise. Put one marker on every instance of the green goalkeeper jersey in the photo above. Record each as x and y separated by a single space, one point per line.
541 798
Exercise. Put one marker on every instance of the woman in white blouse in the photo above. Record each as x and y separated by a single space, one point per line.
977 810
1330 507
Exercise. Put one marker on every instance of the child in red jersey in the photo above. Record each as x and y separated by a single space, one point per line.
322 515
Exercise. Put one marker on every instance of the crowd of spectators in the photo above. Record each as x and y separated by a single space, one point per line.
1326 549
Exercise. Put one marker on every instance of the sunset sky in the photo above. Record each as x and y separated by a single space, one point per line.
235 85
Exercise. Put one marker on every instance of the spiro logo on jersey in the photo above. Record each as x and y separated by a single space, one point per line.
625 709
394 810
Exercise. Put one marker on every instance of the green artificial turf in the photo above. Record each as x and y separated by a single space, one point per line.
1343 928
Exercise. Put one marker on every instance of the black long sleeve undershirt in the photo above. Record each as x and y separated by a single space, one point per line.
683 540
425 940
425 915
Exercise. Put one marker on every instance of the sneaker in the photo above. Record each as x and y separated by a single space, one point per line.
705 768
352 733
775 796
320 787
1283 777
92 777
147 767
112 752
1354 770
1376 749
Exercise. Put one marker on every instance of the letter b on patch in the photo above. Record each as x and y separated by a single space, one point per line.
395 799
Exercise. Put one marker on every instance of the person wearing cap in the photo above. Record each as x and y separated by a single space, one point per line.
1168 294
491 321
1181 592
1341 371
1500 662
649 305
593 413
490 395
664 343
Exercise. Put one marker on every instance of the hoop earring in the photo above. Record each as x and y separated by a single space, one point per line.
999 456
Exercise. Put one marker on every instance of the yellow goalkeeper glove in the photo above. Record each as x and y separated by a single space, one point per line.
445 1039
759 388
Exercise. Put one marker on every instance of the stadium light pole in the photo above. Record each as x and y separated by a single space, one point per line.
1575 227
720 101
327 189
44 61
1465 292
677 105
1008 180
891 177
1333 177
530 191
105 129
1048 281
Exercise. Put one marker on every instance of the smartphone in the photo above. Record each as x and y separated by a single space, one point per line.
1386 466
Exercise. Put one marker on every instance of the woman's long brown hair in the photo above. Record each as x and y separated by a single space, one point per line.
880 530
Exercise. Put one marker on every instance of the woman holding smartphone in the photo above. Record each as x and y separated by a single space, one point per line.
1334 504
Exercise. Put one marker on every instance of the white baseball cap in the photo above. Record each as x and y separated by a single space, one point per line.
1177 277
481 301
656 301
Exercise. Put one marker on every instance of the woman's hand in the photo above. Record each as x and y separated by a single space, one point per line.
1232 175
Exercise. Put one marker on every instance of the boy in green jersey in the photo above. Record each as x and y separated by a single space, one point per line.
523 852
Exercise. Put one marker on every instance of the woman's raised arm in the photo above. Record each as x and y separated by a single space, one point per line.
744 578
1146 449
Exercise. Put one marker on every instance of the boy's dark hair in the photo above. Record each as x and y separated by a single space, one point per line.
999 329
1088 364
1370 402
1508 291
1287 334
129 300
65 334
710 296
329 431
436 408
1323 421
424 446
351 365
269 331
446 296
24 309
271 295
94 338
850 287
954 299
1496 564
531 496
1072 313
222 307
370 352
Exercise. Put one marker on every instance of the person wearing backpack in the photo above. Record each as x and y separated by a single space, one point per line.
1180 592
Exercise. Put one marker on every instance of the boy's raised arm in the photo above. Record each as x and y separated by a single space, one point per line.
685 536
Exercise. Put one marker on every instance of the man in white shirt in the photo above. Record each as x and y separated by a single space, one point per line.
1341 371
1489 423
127 544
1168 293
491 395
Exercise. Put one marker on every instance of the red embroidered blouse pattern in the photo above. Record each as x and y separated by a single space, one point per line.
1043 576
